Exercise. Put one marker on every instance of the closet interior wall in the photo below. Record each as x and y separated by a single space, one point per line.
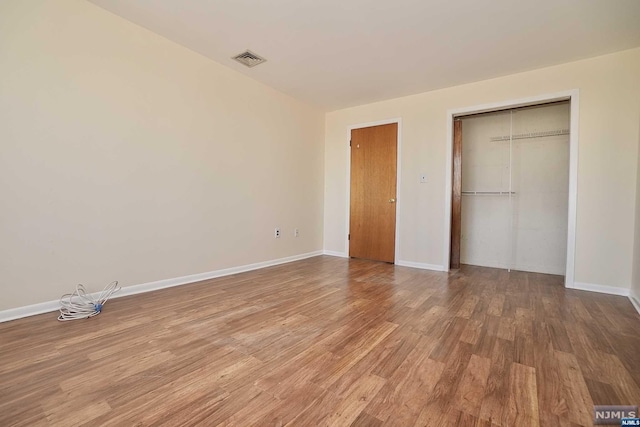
515 189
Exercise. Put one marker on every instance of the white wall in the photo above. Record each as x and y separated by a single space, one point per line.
608 143
527 232
127 157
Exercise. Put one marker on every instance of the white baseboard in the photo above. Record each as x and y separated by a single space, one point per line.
423 266
29 310
45 307
167 283
591 287
411 264
335 253
635 300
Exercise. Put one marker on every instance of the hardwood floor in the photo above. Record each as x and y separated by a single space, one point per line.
329 341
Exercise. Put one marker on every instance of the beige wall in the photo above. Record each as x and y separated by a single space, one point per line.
127 157
608 133
635 284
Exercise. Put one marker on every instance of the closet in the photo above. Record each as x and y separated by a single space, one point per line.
515 188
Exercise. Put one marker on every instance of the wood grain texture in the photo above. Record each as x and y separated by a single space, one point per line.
329 341
372 221
456 195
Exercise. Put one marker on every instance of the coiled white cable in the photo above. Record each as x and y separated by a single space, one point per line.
80 305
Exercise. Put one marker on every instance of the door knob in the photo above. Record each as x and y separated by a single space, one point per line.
392 200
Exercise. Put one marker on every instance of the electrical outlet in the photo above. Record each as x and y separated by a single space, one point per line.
277 233
296 232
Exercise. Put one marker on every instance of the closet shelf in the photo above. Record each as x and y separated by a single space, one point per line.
488 193
541 134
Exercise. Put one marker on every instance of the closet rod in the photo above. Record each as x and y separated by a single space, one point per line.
530 135
487 193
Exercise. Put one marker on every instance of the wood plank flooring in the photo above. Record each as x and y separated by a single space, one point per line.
329 341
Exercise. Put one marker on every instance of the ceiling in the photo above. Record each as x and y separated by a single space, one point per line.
342 53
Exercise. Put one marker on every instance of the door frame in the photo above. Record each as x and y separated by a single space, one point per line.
573 97
398 174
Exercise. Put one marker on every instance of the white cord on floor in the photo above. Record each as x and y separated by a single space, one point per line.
80 305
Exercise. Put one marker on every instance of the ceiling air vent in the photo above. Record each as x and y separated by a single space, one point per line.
249 59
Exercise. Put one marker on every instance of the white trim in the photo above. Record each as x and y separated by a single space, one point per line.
29 310
45 307
335 253
421 265
398 178
569 278
603 289
635 301
400 263
573 97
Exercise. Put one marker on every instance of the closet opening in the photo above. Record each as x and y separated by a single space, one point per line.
513 188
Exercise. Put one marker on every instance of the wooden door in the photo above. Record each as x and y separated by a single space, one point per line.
456 195
372 222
